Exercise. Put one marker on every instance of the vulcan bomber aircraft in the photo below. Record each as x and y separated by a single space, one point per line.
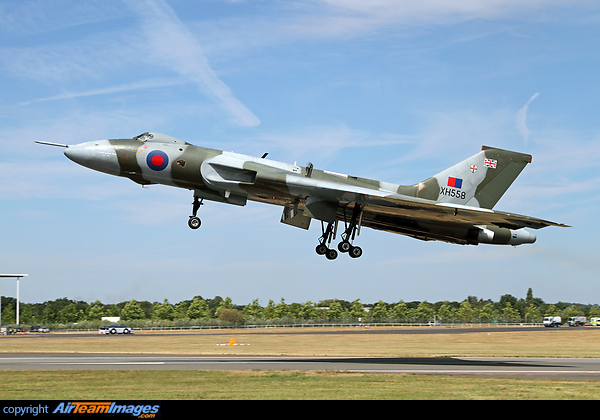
453 206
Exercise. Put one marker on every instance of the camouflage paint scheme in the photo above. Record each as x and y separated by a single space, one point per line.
453 206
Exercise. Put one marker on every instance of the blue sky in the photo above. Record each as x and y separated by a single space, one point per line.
389 89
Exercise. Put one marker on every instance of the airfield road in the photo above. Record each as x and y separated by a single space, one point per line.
524 352
562 368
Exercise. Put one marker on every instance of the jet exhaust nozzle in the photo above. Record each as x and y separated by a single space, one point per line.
503 236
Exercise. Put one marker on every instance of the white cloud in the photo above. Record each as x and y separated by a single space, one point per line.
143 84
522 119
351 17
173 45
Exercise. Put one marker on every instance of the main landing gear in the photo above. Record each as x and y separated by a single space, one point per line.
347 237
194 221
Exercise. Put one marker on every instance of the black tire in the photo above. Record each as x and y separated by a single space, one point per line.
321 249
331 254
344 246
194 222
355 252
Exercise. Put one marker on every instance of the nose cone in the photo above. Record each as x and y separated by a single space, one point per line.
98 155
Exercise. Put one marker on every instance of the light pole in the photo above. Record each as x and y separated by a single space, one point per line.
18 277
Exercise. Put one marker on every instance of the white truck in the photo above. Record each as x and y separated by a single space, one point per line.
115 330
552 321
576 321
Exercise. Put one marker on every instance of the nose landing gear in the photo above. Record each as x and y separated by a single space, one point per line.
194 222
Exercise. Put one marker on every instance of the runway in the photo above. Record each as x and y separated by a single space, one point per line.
557 368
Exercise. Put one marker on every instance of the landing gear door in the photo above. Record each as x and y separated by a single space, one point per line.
291 216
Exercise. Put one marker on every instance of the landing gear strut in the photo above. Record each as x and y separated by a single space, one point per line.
194 222
351 229
350 232
325 240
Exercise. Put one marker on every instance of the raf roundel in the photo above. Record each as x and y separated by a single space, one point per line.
157 160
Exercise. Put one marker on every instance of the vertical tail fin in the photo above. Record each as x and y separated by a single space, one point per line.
479 181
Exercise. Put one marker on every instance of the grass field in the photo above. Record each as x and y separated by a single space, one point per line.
279 385
168 385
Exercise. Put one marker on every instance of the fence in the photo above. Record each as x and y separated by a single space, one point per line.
226 326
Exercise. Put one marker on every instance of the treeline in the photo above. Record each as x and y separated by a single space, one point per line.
201 311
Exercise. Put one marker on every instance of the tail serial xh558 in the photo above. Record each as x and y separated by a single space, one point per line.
453 206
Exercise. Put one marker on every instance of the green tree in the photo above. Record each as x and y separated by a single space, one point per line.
487 312
28 315
529 297
466 312
269 312
510 314
335 310
446 313
70 313
164 310
254 310
551 310
197 309
95 311
235 316
9 316
132 310
573 310
400 310
281 309
111 310
49 314
424 311
357 310
307 311
380 310
226 304
533 314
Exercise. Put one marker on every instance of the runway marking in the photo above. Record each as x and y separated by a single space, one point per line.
469 371
103 363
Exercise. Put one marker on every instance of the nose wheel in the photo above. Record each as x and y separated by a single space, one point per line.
194 222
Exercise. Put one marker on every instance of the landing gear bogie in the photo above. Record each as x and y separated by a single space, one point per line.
345 246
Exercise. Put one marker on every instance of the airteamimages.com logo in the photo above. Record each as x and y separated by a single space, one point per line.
92 408
142 411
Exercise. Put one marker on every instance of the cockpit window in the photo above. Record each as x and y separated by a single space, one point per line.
158 138
144 137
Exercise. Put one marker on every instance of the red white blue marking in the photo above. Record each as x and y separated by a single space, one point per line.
157 160
490 163
455 182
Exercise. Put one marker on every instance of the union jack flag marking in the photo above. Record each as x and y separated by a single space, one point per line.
490 163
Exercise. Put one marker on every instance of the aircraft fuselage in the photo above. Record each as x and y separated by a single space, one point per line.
453 206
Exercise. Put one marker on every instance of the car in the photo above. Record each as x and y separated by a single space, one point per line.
115 330
39 328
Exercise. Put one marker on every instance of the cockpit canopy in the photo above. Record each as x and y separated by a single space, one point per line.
158 138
